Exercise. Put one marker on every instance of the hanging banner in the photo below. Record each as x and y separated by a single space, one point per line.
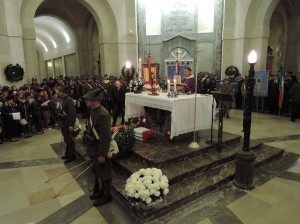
261 83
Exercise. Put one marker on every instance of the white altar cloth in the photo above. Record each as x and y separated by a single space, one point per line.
181 108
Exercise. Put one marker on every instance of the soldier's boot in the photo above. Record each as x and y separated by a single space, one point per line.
66 155
106 198
71 153
98 190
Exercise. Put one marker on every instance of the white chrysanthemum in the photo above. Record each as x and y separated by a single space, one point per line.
163 185
148 201
147 193
166 191
142 171
164 179
158 172
131 192
156 186
136 195
157 194
156 179
152 191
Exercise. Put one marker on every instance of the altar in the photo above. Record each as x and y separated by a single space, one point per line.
180 107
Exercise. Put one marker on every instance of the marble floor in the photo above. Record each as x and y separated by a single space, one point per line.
26 198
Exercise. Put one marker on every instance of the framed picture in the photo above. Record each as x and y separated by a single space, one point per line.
154 69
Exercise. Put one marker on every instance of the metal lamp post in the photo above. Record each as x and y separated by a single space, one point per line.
245 158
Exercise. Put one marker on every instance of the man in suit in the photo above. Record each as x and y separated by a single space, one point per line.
118 98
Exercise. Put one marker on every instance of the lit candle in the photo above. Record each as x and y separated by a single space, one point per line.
175 85
169 86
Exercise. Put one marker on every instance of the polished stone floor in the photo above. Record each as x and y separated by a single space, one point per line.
26 198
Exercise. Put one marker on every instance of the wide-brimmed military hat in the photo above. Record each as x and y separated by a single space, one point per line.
64 89
96 94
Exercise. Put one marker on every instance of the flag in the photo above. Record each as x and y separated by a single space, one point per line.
281 87
177 67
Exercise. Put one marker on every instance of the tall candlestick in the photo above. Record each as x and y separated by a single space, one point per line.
175 85
169 86
140 68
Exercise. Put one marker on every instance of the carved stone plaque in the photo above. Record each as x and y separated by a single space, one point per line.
179 18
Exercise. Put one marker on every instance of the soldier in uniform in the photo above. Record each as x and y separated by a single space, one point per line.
67 117
98 135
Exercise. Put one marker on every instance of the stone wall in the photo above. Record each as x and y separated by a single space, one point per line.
210 45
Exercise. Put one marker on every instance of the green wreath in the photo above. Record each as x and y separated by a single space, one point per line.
14 73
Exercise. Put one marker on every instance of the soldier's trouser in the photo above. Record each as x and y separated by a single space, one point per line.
103 174
70 141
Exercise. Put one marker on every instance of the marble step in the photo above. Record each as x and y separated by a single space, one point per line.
188 166
170 153
193 187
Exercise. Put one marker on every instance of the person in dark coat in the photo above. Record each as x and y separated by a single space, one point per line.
273 93
36 112
67 117
207 86
99 138
295 100
24 109
10 125
238 94
286 96
227 89
118 98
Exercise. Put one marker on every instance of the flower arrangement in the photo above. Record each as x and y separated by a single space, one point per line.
147 186
136 86
125 140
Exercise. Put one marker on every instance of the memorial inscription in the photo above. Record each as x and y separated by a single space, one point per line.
180 18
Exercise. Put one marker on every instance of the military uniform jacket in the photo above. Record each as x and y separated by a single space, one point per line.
67 106
101 122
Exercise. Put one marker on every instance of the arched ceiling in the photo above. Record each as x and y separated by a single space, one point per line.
58 24
52 33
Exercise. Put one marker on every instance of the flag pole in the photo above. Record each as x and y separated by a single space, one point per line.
194 144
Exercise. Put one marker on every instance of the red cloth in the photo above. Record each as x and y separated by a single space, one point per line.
148 135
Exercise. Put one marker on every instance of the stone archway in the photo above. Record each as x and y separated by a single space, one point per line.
247 27
106 23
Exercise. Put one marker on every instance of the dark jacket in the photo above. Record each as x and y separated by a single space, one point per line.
67 111
118 96
6 111
101 122
295 93
36 108
24 110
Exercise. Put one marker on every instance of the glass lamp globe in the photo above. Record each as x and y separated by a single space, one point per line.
252 58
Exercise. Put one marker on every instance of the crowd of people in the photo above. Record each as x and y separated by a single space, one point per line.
288 106
32 109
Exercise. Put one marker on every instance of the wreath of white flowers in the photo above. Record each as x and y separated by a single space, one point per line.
147 186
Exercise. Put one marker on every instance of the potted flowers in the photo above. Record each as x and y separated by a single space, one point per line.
147 186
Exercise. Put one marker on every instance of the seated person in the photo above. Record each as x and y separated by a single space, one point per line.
189 80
